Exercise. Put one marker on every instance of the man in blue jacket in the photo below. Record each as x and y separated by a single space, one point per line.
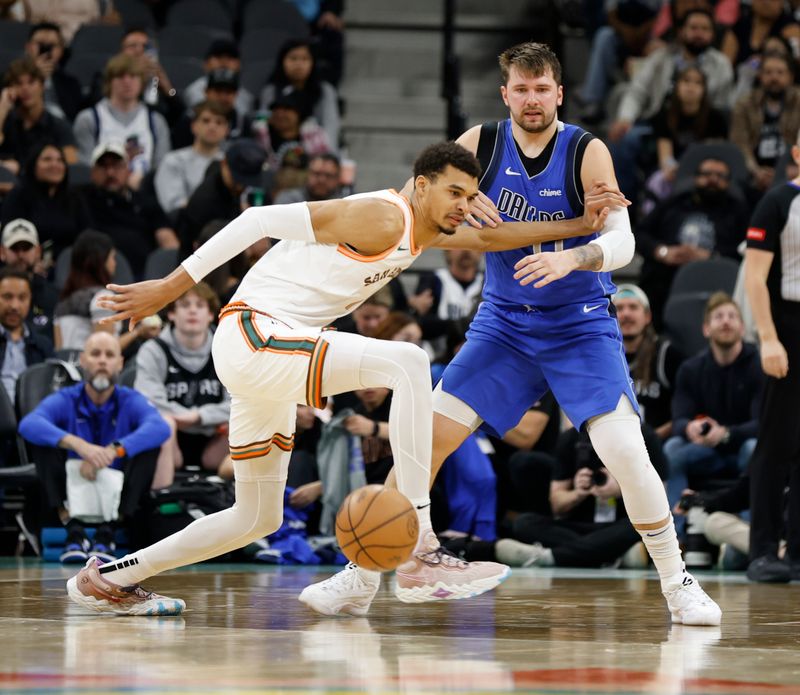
102 425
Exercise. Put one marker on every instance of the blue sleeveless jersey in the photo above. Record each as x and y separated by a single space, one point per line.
551 194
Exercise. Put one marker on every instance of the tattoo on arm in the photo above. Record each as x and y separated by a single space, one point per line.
588 257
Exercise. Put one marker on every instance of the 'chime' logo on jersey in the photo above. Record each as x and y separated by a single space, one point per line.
515 206
390 273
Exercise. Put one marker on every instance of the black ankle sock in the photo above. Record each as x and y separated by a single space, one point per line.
75 532
104 535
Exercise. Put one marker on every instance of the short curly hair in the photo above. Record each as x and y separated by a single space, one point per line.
434 159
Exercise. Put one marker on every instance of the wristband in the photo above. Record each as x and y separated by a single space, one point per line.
376 429
119 449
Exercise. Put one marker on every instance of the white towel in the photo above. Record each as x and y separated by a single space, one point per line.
96 500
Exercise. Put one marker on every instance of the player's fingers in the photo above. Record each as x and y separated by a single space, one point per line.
472 221
530 269
522 262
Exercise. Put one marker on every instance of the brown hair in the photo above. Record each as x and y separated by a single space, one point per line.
23 66
715 301
530 59
392 324
700 121
118 66
202 290
213 107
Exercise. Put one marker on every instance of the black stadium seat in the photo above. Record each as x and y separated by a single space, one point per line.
210 13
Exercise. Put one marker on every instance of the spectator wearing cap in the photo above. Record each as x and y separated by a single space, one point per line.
42 196
652 359
121 116
222 86
19 346
288 139
221 54
296 73
20 251
220 195
322 182
62 92
24 120
135 222
183 170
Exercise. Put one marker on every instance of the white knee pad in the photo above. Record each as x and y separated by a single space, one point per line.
455 409
617 440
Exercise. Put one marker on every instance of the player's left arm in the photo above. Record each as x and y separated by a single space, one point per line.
600 201
611 250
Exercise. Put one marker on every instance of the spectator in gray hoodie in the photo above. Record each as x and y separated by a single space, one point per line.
176 372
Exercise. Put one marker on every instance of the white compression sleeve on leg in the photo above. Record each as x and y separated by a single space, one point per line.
617 439
258 511
616 240
277 221
356 362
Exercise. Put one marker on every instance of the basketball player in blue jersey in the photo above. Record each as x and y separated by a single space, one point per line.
547 321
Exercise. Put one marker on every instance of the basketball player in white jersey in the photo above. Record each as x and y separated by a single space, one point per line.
271 353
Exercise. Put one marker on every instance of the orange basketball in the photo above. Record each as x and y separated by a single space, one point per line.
377 527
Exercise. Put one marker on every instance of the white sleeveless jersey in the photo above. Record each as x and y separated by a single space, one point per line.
139 129
311 284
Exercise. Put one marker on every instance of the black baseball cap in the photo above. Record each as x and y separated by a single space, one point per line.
223 78
246 159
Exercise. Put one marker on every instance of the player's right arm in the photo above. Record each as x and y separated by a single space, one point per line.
328 222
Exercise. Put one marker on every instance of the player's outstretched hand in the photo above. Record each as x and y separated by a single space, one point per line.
141 299
599 201
482 212
545 267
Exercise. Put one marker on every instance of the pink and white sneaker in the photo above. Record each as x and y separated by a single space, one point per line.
435 574
90 590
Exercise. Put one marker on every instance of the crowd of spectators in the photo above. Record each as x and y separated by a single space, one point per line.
123 175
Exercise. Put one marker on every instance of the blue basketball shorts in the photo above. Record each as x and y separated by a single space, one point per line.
512 357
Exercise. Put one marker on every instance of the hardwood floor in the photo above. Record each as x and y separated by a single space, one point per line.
542 631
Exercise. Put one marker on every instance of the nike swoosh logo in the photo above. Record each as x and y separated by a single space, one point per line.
587 309
512 173
402 248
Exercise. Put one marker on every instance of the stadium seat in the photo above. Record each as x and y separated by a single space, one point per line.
13 36
40 380
86 66
707 276
160 263
683 321
274 14
255 74
97 38
128 375
182 70
263 44
25 472
189 41
210 13
135 13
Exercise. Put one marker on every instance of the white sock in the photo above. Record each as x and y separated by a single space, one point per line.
617 439
662 545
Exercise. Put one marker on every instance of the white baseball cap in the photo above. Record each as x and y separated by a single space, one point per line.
19 230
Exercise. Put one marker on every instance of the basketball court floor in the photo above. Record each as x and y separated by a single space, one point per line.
542 631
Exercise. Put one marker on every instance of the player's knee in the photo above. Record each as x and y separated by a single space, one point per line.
414 360
268 521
